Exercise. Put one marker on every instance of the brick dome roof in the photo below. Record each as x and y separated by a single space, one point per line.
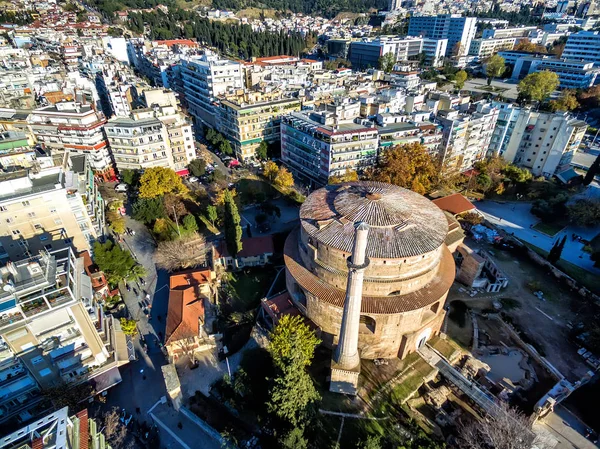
403 223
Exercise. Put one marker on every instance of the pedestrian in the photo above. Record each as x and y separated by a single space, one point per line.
500 219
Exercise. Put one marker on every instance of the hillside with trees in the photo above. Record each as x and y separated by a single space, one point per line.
318 7
238 41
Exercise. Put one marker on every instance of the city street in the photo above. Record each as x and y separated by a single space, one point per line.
143 384
516 218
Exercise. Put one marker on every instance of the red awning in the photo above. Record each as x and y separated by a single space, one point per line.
183 172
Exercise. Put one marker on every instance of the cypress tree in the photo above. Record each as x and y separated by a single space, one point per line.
233 230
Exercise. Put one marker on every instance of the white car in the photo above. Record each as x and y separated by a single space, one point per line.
121 187
192 179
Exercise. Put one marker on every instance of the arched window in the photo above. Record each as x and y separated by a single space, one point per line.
367 325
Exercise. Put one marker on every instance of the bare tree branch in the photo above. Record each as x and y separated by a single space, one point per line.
183 253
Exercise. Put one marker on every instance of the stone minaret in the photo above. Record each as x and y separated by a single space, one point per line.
345 365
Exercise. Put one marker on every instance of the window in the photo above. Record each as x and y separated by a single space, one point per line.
45 372
52 210
31 214
37 360
16 232
9 220
43 238
37 226
25 203
68 241
48 247
3 209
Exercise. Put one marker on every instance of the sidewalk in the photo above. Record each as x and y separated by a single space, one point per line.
190 436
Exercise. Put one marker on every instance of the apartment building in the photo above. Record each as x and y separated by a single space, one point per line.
484 48
158 136
204 78
314 146
248 118
508 113
15 150
584 46
544 142
74 128
466 136
501 33
57 430
425 133
53 332
572 74
49 209
458 30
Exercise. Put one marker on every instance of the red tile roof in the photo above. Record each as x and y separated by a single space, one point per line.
185 42
455 204
186 305
251 247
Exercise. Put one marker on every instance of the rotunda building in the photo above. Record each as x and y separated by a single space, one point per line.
408 277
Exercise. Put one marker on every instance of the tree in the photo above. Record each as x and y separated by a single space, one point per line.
189 251
494 67
460 79
566 102
556 250
197 167
211 214
349 175
387 62
292 349
527 45
117 222
457 49
270 170
157 181
66 395
262 151
484 182
164 230
538 86
284 178
225 147
408 166
295 439
130 177
471 217
129 327
508 428
116 262
233 230
592 172
147 210
174 207
584 212
114 430
516 174
137 271
190 224
372 442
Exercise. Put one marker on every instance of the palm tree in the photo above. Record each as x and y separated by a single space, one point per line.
138 271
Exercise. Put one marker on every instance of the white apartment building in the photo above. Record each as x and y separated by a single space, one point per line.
544 142
484 48
52 333
315 146
49 210
466 136
453 27
584 45
516 32
435 51
508 113
204 78
366 52
158 136
74 128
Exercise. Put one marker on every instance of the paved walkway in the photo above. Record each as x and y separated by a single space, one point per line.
190 436
567 429
516 218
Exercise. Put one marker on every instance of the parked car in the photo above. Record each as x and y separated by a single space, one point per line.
122 188
193 179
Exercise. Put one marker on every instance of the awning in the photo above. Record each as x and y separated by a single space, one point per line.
106 380
183 172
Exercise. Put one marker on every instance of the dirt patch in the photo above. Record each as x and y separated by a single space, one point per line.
544 323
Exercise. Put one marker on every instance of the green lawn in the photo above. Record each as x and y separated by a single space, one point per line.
550 229
584 277
251 286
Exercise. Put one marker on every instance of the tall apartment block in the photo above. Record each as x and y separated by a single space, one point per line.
315 146
49 209
251 117
57 430
366 52
484 48
159 136
583 46
466 136
454 27
544 142
204 78
53 333
74 128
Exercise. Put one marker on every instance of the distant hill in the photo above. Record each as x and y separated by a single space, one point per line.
327 8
